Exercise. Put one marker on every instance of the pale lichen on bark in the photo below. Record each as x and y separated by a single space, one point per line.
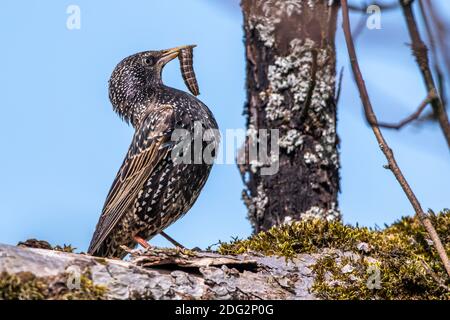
291 87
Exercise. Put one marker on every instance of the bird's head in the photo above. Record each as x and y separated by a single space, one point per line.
136 78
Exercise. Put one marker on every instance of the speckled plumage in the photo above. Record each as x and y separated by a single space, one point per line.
150 191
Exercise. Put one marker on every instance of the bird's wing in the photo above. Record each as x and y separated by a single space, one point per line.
148 148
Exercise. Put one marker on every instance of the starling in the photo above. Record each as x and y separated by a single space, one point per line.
151 189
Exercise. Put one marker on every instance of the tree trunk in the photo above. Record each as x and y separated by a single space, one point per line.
291 67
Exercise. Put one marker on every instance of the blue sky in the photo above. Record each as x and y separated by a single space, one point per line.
62 144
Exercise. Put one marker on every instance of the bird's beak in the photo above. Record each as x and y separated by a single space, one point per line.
170 54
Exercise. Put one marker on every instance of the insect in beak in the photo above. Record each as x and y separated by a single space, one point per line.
187 70
170 54
185 55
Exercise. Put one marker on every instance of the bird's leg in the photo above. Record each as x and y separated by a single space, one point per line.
171 240
142 242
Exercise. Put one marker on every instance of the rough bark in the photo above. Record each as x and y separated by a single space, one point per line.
291 64
168 274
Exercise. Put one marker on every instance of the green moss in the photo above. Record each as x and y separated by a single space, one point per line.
65 248
88 290
42 244
408 265
101 260
22 286
299 237
26 286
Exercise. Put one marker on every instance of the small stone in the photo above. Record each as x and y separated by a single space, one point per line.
287 220
353 278
371 260
347 268
363 246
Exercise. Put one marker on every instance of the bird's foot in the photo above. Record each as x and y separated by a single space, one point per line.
129 250
172 241
142 242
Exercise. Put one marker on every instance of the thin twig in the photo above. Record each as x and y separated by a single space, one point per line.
433 274
442 30
432 42
339 86
432 95
428 29
359 27
420 51
432 25
382 6
387 151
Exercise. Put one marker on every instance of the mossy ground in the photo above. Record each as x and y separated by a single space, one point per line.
42 244
26 286
402 254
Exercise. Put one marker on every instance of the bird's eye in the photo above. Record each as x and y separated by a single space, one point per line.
149 61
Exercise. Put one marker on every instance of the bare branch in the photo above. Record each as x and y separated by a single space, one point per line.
387 151
430 97
382 6
359 27
420 51
430 36
433 25
442 31
339 86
